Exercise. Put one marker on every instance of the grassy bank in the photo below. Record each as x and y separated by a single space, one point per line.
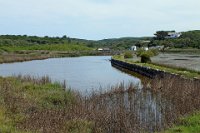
188 124
19 53
15 57
30 104
20 56
37 105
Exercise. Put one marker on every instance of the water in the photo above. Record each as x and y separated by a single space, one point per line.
80 73
142 108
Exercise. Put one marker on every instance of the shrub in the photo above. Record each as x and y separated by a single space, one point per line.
139 52
155 52
146 55
128 54
145 58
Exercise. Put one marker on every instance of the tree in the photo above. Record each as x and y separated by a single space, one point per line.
64 37
160 35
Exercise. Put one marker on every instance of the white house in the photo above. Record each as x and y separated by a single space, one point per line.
173 35
100 49
146 48
103 49
134 48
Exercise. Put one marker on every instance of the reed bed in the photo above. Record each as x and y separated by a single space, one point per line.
27 55
36 104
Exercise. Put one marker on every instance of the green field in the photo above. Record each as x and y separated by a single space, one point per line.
53 47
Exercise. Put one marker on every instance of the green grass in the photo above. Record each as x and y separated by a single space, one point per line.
48 95
53 47
19 98
7 125
190 124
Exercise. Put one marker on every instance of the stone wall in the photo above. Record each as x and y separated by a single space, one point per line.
146 71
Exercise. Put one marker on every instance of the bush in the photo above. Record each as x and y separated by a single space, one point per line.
139 52
146 55
128 54
145 58
155 52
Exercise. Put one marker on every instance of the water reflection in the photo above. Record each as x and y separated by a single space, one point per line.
136 109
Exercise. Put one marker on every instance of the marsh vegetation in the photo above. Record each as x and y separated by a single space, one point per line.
37 105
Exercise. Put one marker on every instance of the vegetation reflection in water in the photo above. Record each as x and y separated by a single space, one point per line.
157 106
134 108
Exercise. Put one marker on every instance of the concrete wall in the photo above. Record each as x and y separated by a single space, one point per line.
148 72
145 71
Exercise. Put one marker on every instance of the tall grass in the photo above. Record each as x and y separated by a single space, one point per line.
26 55
37 104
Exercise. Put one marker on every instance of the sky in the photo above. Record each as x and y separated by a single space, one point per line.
97 19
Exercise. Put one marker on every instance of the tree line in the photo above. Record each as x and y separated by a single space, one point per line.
24 40
190 39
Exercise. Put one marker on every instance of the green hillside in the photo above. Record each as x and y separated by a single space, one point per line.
19 42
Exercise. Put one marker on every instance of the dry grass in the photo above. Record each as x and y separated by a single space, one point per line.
36 104
26 55
21 57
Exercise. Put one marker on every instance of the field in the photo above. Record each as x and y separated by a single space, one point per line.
189 61
181 60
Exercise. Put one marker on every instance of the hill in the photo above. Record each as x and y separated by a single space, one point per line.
120 43
24 42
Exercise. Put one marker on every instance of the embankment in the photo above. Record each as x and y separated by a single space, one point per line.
146 71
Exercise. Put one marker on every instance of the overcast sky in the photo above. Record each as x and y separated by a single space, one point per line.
97 19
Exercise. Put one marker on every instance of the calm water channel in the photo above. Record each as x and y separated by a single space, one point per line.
80 73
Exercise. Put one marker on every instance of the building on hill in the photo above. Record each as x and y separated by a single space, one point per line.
100 49
134 48
103 49
106 49
161 35
173 35
157 47
145 48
